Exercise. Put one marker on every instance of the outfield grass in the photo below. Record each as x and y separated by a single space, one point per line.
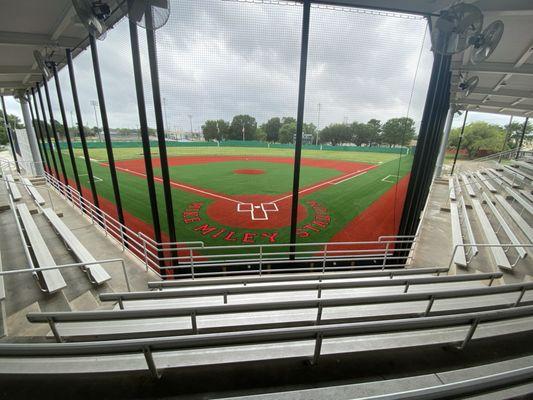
220 176
356 156
343 201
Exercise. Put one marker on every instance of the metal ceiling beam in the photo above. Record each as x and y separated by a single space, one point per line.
501 92
494 68
16 69
494 104
35 40
16 84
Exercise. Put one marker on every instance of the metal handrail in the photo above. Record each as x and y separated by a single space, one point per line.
319 287
488 245
320 304
317 333
295 277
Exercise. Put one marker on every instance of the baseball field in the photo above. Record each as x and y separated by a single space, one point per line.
243 195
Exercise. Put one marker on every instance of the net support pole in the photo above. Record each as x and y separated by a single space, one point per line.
141 105
67 132
299 123
54 132
105 127
81 130
39 132
507 134
524 129
47 131
459 143
160 127
8 133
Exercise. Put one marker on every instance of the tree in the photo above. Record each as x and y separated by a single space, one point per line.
375 128
336 134
361 133
287 120
398 131
13 121
515 133
478 136
271 128
240 123
287 132
215 130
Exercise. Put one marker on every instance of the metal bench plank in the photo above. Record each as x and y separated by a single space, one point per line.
521 222
523 202
52 278
98 274
32 190
13 188
457 237
498 253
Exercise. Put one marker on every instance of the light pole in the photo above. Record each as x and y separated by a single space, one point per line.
166 113
318 123
94 103
190 120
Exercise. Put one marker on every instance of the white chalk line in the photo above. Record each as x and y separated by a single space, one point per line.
386 179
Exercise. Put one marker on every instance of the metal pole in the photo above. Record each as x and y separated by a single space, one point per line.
444 142
105 127
156 93
40 130
81 130
8 133
54 131
137 71
299 123
35 130
51 148
459 143
318 123
522 138
67 133
507 134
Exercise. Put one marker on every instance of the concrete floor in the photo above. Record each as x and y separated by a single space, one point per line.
79 294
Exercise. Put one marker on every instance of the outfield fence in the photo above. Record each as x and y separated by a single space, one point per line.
245 144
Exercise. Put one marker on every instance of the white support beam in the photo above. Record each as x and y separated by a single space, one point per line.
35 40
502 92
494 68
494 104
16 84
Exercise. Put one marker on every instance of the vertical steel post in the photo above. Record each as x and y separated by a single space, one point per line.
141 105
459 143
40 130
105 127
507 134
524 128
41 154
65 126
8 133
54 132
47 131
81 130
160 127
299 123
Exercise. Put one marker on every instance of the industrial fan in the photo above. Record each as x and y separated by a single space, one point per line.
138 10
93 14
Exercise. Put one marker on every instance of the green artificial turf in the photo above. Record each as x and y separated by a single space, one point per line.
220 176
343 201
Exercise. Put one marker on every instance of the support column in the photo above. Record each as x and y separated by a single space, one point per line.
444 143
8 133
524 129
37 163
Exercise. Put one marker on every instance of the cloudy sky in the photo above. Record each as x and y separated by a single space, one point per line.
222 58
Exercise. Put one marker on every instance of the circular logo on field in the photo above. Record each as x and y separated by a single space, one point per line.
260 216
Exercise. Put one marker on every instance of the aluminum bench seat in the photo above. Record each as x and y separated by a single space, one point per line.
525 166
90 325
473 249
516 217
485 181
510 182
459 257
97 274
248 346
468 185
526 194
13 188
32 190
296 278
491 174
522 253
451 189
500 258
518 172
520 200
52 278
